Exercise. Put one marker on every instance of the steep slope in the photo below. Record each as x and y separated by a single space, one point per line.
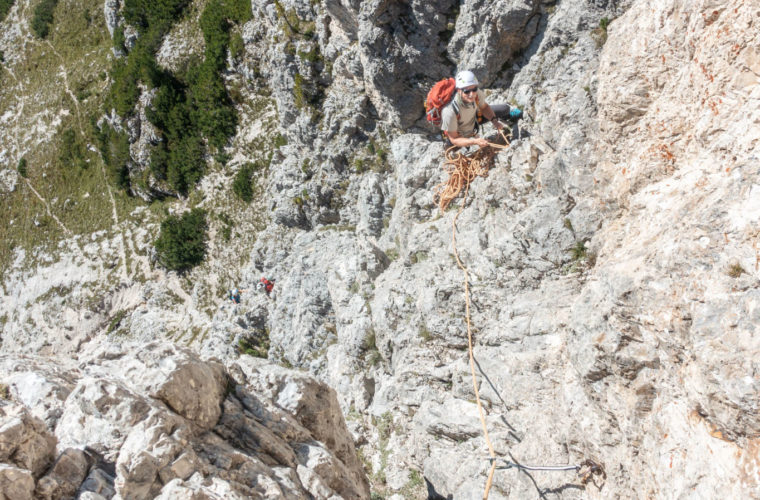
611 250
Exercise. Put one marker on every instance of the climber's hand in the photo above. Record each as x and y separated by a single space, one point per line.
479 141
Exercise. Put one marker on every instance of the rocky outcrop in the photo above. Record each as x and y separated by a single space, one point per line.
157 422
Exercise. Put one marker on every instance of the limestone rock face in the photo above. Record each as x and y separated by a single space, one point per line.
611 251
488 34
130 428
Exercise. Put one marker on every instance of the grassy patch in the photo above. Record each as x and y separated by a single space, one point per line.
415 486
425 334
255 345
243 185
370 352
735 270
582 259
79 45
385 427
116 321
600 34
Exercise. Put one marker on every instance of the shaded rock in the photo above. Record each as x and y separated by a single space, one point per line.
173 375
316 408
66 475
15 483
24 440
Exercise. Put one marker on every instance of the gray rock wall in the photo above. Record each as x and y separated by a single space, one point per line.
612 254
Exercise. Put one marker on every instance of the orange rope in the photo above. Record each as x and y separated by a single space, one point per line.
463 170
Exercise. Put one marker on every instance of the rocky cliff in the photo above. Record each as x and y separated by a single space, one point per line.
612 252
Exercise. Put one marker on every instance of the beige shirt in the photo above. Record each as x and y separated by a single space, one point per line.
465 125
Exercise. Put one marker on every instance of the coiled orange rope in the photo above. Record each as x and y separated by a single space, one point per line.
463 168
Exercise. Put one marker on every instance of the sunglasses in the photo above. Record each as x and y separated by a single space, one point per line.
470 91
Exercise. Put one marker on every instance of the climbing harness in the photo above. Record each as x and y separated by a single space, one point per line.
462 170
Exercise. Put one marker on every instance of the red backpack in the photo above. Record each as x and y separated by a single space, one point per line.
438 97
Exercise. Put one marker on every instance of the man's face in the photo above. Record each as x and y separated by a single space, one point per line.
469 93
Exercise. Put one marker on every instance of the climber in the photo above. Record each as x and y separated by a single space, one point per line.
234 295
266 285
460 118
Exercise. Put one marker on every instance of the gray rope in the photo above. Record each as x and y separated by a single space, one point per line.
509 465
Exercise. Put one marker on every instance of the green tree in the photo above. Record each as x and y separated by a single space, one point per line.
242 186
181 243
186 163
22 167
5 7
43 17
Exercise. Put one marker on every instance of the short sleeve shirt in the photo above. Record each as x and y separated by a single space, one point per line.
465 124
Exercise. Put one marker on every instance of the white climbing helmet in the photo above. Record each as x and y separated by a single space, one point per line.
466 79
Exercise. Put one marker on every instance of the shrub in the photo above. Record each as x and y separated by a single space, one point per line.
43 17
22 167
735 270
153 14
257 346
159 159
114 148
72 150
186 163
579 251
5 7
600 34
191 109
212 109
181 243
242 186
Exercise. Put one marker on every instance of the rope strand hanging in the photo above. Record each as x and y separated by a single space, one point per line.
463 169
